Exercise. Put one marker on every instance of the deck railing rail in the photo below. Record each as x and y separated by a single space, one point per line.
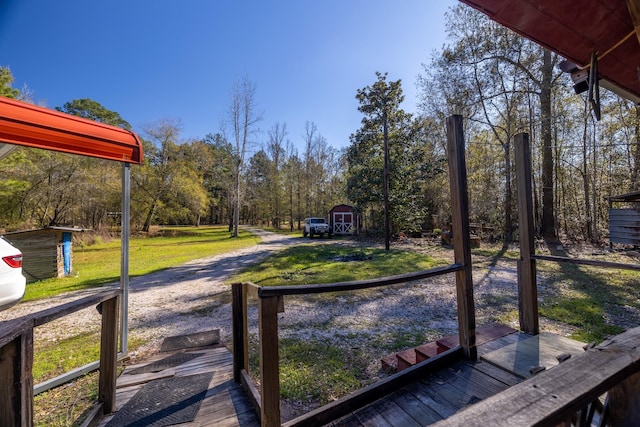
16 357
270 303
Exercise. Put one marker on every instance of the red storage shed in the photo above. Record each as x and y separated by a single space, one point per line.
344 220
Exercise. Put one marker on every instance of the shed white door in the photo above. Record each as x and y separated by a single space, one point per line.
343 223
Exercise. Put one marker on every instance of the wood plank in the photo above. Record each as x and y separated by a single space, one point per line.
502 342
550 396
218 406
595 263
110 310
496 373
540 350
414 407
53 313
460 229
269 361
268 291
527 286
369 417
134 379
422 392
348 421
394 414
449 398
224 404
470 380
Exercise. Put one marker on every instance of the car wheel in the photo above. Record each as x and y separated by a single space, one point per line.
311 234
304 233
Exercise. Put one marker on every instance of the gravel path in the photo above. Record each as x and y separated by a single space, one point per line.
194 297
180 300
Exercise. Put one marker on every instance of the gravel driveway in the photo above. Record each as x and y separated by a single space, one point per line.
189 298
194 297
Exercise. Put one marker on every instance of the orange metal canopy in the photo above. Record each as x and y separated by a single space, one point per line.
33 126
575 29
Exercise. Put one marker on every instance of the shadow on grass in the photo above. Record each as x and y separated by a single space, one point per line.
586 298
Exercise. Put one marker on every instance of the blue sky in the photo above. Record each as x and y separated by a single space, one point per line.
155 59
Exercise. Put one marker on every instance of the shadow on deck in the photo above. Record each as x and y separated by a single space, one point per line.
163 390
502 362
189 384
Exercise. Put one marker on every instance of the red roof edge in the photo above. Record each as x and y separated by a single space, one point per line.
32 126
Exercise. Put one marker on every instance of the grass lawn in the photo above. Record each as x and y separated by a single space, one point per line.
98 264
312 370
325 263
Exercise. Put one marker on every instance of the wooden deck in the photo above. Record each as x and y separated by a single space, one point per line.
443 393
225 403
426 401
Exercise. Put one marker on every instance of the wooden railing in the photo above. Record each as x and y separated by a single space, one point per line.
16 357
270 303
569 393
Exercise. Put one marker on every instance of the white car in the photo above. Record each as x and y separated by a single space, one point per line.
12 282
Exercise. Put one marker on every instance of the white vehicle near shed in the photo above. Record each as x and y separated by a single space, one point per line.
316 226
12 282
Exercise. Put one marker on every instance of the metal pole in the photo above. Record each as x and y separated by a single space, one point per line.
124 255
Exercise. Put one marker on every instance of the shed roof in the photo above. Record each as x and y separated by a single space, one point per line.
32 126
52 227
575 30
634 196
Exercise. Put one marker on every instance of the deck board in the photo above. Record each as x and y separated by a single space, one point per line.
540 350
415 407
426 401
224 405
441 394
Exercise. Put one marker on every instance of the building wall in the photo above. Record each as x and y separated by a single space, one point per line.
624 226
41 253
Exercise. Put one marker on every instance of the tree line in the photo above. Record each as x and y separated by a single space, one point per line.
501 83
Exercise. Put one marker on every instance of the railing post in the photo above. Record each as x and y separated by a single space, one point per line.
108 354
461 239
240 332
16 379
269 362
527 288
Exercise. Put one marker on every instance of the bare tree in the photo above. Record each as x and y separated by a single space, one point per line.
244 119
276 150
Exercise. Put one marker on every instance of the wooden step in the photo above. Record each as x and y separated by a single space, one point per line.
406 359
484 334
389 364
445 343
426 351
491 332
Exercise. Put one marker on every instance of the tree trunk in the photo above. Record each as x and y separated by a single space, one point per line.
548 215
585 177
508 223
236 208
147 221
636 151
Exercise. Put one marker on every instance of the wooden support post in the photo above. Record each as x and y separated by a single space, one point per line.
16 380
109 354
624 402
269 362
240 332
460 239
527 287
